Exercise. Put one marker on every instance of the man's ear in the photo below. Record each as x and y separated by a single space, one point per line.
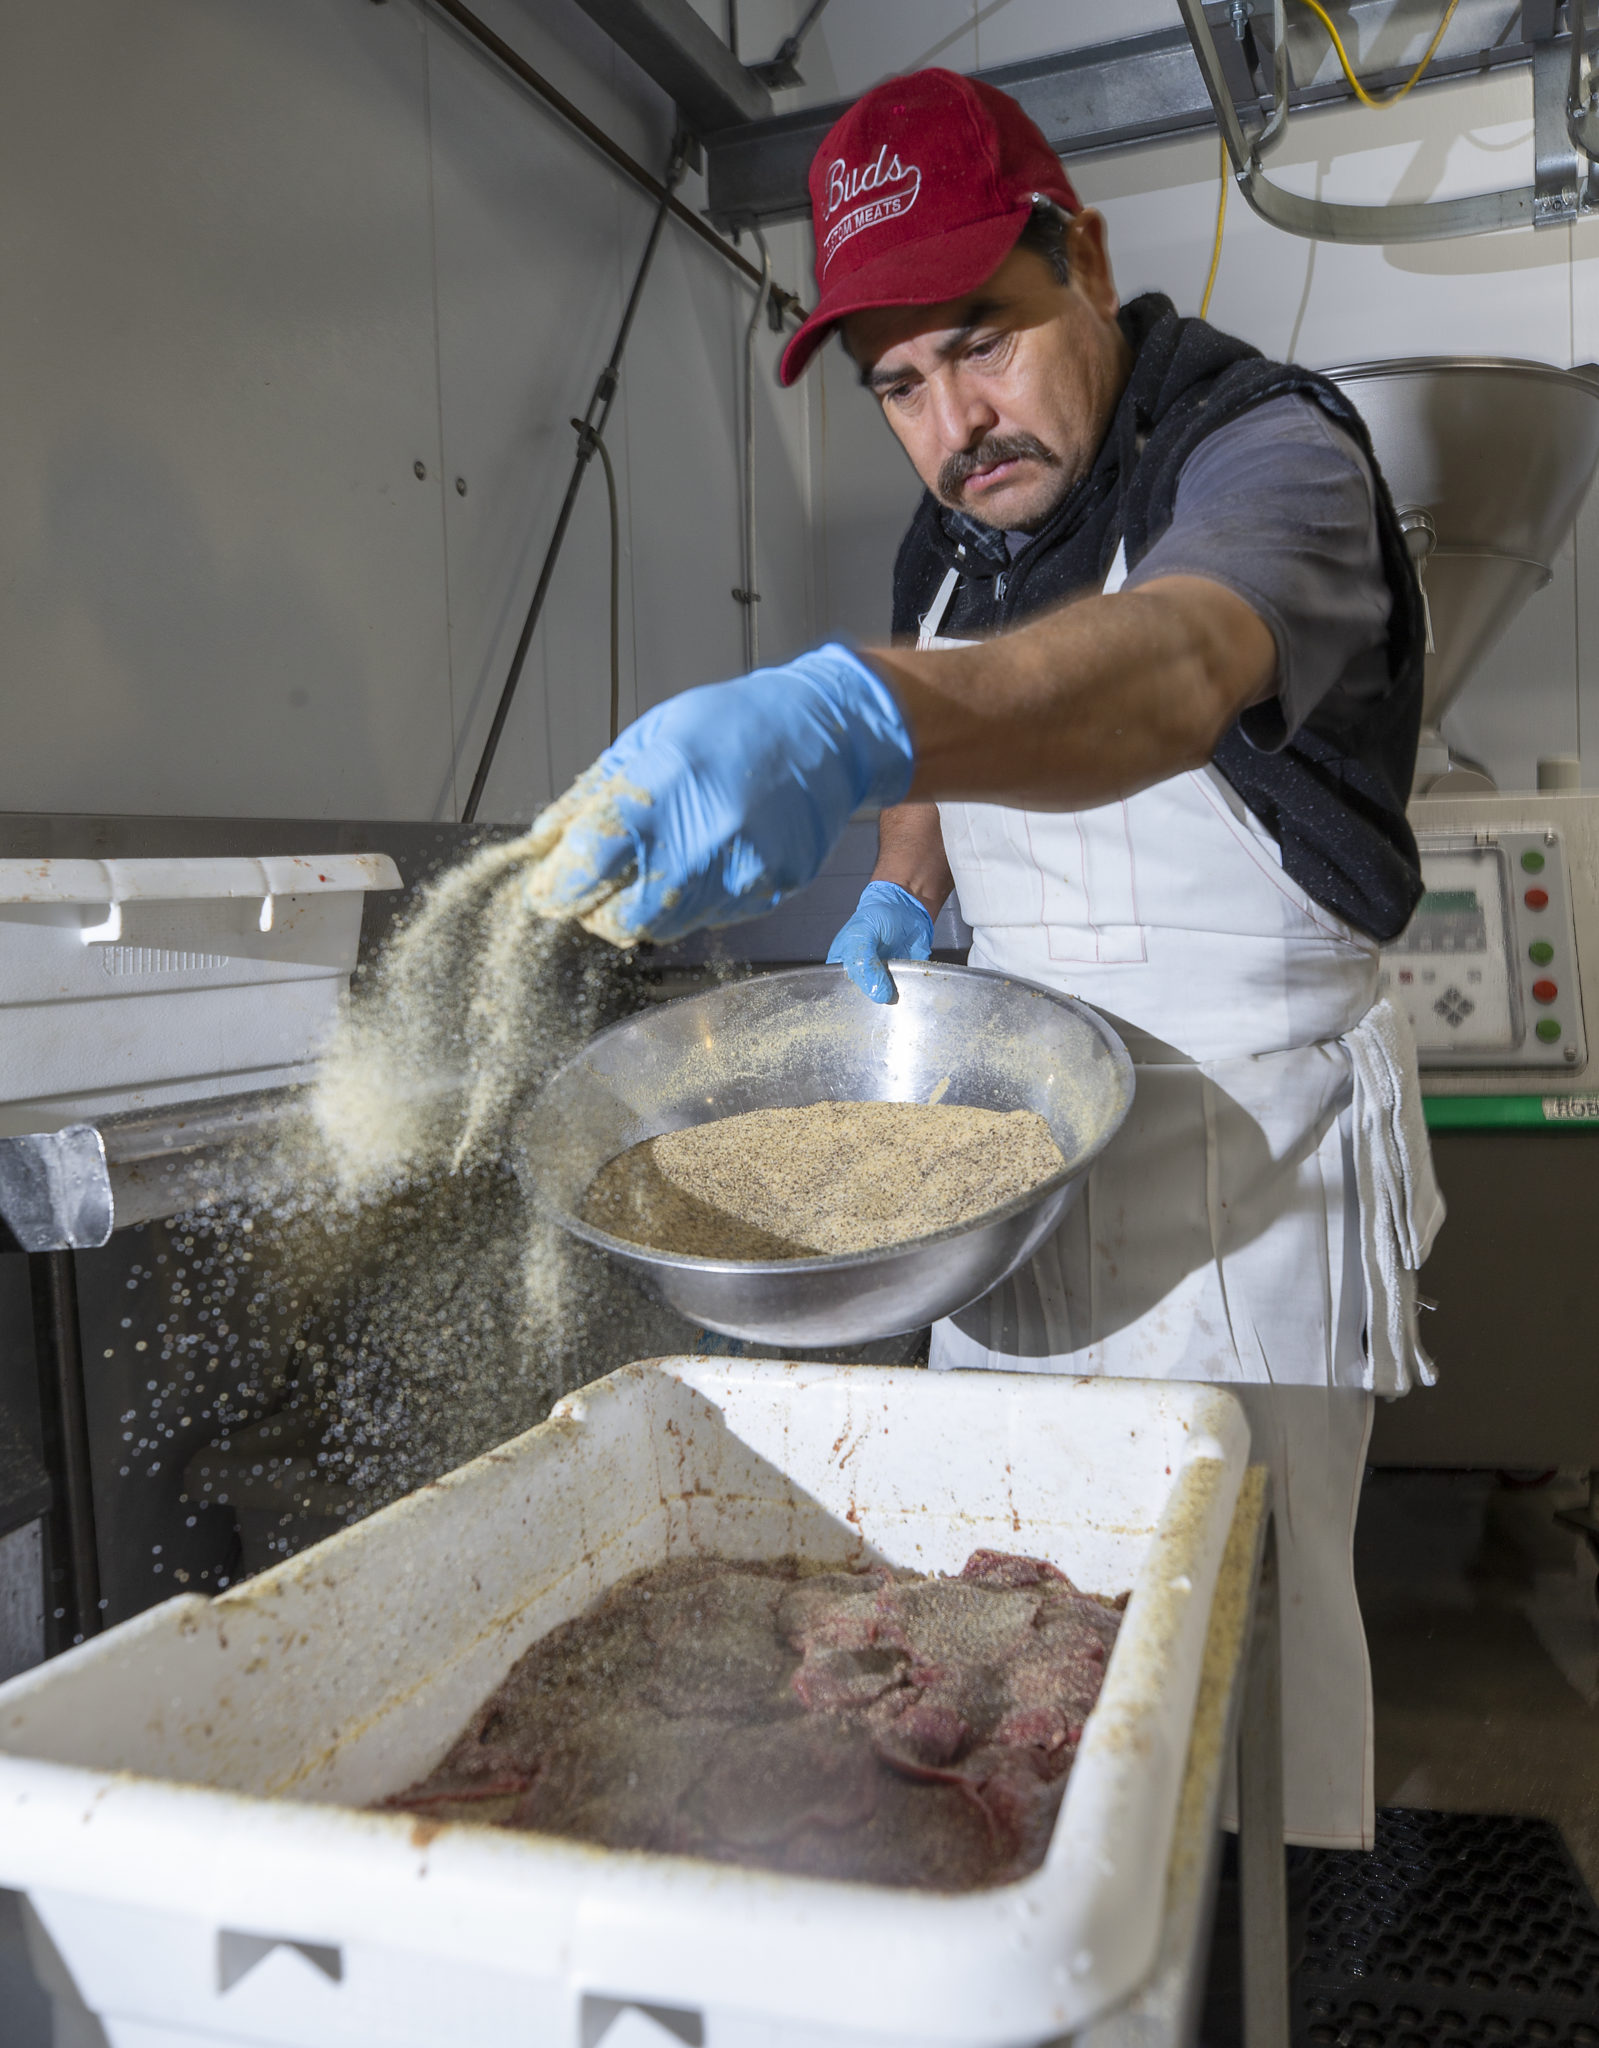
1088 251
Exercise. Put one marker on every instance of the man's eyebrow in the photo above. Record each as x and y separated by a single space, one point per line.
978 315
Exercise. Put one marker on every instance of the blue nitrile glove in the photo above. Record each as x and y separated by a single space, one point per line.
889 924
722 801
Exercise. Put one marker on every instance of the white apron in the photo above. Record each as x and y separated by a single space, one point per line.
1219 1237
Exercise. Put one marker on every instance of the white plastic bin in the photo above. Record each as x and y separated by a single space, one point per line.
125 984
176 1798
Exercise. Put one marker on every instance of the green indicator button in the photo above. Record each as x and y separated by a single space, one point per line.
1540 952
1532 861
1548 1029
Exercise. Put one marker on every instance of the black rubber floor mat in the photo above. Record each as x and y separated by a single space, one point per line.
1460 1930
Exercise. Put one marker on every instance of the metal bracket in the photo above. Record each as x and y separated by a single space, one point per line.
1240 53
1561 120
1557 184
1582 93
68 1190
55 1191
781 69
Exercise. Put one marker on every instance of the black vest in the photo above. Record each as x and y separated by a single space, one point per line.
1334 797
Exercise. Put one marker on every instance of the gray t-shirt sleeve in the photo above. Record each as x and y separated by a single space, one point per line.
1279 506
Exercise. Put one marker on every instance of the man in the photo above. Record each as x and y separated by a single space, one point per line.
1171 781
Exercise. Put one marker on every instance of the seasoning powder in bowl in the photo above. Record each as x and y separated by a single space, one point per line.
831 1178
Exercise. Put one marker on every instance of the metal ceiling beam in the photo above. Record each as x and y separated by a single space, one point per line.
1138 89
669 42
1141 87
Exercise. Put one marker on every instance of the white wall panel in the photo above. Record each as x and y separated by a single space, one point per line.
538 243
533 234
1015 29
685 447
223 584
858 42
272 258
786 496
580 60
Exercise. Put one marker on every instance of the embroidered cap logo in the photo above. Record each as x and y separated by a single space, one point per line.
892 187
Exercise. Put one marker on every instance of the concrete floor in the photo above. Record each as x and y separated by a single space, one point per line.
1484 1636
1484 1633
24 2007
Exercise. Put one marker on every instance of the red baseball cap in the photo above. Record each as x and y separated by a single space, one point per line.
918 193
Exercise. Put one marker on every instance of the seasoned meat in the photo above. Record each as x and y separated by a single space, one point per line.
862 1724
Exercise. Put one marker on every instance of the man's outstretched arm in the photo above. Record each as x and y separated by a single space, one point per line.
718 803
1086 704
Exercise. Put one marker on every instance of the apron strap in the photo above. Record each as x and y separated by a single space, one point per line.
933 617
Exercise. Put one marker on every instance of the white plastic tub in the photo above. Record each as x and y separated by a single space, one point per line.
125 984
176 1798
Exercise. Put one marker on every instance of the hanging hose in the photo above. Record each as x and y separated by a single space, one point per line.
604 454
749 596
1221 225
590 441
1365 98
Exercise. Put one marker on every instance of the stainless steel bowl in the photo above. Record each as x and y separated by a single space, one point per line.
956 1035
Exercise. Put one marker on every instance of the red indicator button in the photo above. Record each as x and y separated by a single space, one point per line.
1544 991
1536 899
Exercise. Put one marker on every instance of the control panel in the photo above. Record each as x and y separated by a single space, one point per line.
1487 967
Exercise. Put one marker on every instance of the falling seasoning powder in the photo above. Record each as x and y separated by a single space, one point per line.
830 1178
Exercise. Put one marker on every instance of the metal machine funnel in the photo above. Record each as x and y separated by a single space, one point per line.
1487 461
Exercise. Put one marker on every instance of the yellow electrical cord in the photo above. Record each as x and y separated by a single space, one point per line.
1221 223
1365 98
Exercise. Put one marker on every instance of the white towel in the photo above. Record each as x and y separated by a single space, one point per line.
1400 1205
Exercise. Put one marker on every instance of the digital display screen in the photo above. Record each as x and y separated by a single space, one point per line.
1448 921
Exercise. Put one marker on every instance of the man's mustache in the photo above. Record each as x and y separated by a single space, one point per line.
997 448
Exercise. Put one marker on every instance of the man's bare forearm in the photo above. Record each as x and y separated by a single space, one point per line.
1092 702
910 851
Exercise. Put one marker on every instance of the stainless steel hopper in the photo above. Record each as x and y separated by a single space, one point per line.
1488 461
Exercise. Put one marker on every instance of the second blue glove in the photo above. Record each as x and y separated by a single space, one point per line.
889 924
